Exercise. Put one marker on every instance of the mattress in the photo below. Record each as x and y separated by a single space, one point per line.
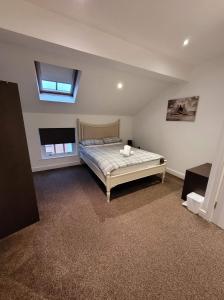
110 161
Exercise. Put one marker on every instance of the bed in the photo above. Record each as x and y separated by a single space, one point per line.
106 161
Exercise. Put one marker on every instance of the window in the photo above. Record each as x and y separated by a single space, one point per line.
49 85
58 150
57 84
56 87
57 142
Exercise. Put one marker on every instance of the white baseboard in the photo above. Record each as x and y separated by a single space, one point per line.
175 173
55 166
202 213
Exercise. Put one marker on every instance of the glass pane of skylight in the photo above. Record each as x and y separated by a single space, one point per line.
49 85
64 87
68 148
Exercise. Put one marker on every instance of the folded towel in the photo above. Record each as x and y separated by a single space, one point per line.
127 148
126 151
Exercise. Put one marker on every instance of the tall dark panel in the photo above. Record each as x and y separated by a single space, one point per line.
18 206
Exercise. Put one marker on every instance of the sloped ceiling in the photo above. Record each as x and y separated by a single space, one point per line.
97 92
38 22
158 25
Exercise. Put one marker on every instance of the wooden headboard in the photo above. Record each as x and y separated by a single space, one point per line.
97 131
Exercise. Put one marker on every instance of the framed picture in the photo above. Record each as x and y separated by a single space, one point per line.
183 109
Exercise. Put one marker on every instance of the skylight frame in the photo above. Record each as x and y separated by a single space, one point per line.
56 92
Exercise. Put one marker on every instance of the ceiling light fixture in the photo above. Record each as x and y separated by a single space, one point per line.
186 42
120 85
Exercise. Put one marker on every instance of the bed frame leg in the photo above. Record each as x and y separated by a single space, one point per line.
163 176
108 196
108 187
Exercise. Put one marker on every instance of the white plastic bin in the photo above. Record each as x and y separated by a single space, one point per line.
194 202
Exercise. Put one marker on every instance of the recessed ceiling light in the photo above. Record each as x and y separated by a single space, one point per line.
186 42
120 85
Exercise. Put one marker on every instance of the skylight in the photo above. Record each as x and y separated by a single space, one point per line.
57 84
58 87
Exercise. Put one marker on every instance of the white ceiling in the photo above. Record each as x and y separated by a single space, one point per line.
157 25
97 93
35 21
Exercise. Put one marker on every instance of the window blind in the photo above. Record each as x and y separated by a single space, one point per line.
55 73
56 135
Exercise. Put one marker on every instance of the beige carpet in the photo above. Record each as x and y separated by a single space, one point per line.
143 245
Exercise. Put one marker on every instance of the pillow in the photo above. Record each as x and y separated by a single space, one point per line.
113 139
91 142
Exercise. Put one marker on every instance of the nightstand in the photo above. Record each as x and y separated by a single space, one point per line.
196 180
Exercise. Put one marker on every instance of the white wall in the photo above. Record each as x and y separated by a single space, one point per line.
34 121
185 144
17 65
97 93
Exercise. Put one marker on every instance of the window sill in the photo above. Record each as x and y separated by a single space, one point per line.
56 98
59 156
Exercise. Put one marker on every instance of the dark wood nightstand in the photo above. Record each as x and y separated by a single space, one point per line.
196 180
